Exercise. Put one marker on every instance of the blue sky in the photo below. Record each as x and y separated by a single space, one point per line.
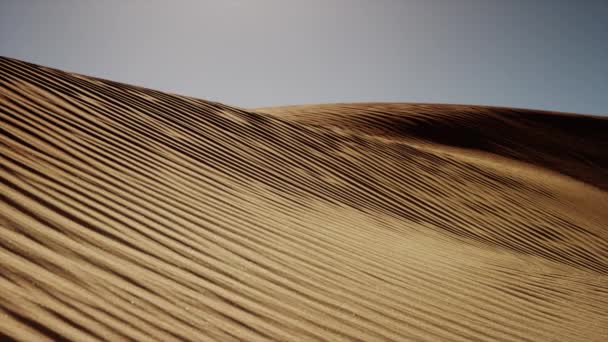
535 54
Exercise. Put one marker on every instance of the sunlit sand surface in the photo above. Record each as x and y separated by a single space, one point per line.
132 214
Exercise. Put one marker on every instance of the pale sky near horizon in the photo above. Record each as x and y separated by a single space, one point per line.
542 54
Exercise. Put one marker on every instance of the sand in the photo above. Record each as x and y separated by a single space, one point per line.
132 214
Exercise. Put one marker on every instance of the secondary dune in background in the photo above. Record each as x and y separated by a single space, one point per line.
129 213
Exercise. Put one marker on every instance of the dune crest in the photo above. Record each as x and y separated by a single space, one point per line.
128 213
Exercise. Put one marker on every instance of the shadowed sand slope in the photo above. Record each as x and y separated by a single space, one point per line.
128 213
571 144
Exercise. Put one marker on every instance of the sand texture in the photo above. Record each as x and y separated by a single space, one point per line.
132 214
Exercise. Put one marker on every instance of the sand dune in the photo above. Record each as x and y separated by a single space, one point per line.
128 213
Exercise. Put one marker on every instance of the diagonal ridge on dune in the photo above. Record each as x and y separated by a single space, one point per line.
128 213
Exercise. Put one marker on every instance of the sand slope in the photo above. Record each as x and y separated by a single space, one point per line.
128 213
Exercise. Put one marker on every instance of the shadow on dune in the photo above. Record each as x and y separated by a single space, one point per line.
571 144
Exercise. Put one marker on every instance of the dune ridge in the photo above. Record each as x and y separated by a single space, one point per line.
553 140
129 213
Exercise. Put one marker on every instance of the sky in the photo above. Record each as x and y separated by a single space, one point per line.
550 55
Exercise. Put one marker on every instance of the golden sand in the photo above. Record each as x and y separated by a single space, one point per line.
132 214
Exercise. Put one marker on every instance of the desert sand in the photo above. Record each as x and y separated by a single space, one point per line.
133 214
